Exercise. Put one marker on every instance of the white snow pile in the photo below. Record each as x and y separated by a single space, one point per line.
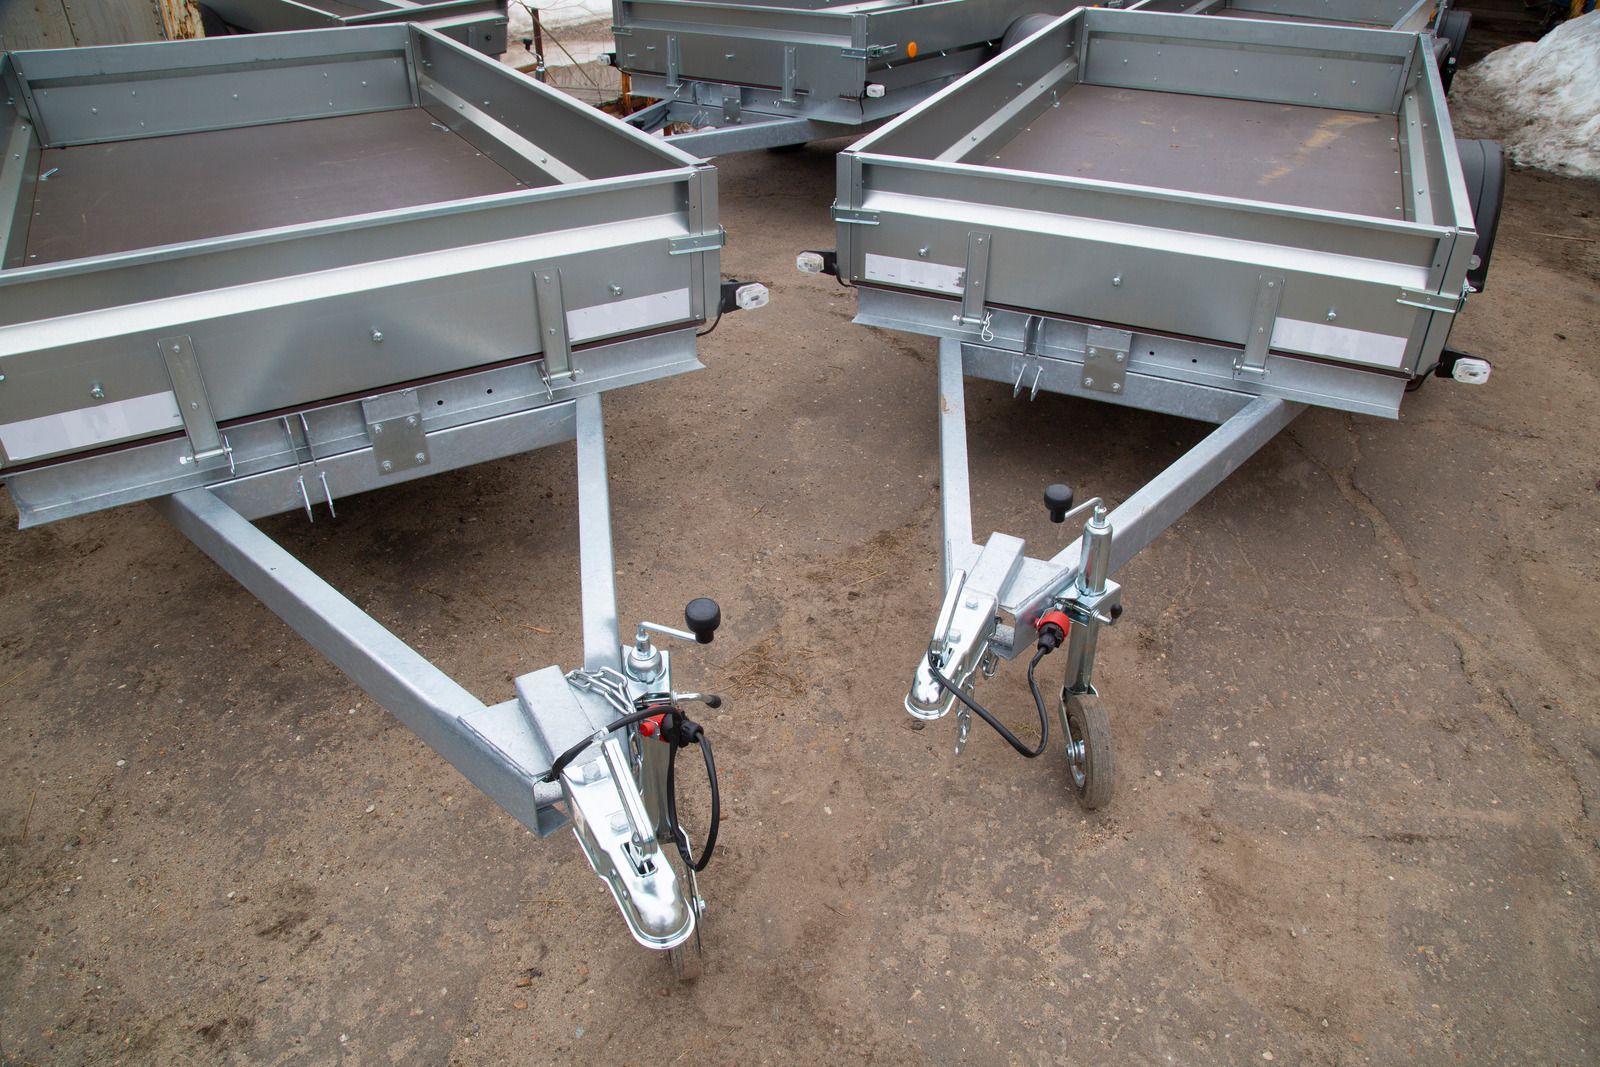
1540 99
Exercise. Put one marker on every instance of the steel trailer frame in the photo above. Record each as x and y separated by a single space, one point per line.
770 73
236 375
478 24
1189 301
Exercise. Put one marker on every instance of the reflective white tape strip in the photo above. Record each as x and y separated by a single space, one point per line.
628 316
139 416
916 273
1339 342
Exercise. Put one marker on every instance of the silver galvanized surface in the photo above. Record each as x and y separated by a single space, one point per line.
1169 256
478 24
1412 16
301 313
811 59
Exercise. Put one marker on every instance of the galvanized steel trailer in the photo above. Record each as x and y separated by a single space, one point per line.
1223 220
768 73
1446 27
258 274
478 24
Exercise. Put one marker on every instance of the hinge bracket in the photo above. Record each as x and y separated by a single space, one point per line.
1444 303
854 216
697 242
552 310
872 51
791 75
194 405
1252 361
974 279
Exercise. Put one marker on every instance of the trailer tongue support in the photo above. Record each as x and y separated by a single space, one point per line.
989 583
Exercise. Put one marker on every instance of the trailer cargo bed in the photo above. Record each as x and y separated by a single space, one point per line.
1284 153
213 183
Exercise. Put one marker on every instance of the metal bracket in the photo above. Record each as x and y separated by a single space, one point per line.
552 310
697 242
183 367
1430 301
854 216
977 273
394 425
731 104
1105 360
622 31
672 61
872 51
1032 341
1263 317
791 74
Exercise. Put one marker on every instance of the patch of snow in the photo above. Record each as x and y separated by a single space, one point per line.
1540 99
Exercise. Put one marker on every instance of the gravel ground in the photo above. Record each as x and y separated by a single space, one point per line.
1354 698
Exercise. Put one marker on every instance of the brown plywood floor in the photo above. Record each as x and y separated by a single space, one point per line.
126 195
1283 153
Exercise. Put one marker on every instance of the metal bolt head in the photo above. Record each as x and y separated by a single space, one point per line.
422 457
1088 383
97 391
1332 314
923 251
386 466
411 420
616 290
1116 279
377 337
1116 387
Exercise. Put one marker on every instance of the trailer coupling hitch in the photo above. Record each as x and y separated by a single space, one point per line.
970 638
620 785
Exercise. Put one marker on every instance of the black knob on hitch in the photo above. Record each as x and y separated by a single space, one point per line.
1058 498
703 617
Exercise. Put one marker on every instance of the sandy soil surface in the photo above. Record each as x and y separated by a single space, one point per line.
1354 698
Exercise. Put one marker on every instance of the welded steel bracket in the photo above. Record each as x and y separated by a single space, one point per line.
1105 360
394 425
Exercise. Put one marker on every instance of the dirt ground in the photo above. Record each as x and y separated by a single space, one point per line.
1354 698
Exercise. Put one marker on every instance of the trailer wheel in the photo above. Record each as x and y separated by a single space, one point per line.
1088 748
687 959
1024 27
211 23
1452 29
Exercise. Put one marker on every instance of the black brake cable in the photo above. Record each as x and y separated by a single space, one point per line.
1050 638
677 730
